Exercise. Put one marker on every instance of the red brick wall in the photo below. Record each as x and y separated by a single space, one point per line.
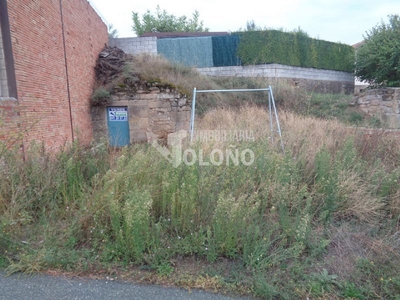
37 41
10 133
85 35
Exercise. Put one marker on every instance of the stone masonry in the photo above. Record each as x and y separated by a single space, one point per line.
382 103
154 111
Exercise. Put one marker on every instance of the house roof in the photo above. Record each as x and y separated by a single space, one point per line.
358 45
162 35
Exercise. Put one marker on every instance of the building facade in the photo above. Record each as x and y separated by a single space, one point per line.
48 50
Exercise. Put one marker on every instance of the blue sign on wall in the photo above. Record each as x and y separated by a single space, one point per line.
118 114
118 126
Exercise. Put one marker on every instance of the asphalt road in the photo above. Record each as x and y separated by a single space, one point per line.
44 287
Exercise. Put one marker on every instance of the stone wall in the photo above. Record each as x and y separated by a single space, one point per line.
154 111
382 103
136 45
325 81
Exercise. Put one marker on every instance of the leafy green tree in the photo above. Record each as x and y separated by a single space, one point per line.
378 59
165 22
251 26
300 32
112 32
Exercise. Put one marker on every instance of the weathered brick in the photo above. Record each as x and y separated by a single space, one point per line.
40 68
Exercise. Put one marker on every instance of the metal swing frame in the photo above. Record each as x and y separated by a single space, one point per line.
271 106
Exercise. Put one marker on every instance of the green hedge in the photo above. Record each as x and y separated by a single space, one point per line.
225 50
293 49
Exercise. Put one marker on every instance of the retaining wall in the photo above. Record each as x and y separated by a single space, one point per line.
382 103
311 79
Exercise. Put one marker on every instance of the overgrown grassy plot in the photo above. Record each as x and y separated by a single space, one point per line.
317 221
320 220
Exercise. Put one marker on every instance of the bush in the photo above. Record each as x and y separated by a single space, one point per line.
100 97
378 59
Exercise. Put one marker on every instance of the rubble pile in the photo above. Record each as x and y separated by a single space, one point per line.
110 64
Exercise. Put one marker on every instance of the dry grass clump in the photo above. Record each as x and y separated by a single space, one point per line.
358 201
394 204
373 144
248 117
156 68
303 136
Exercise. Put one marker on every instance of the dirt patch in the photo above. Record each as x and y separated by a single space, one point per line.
186 272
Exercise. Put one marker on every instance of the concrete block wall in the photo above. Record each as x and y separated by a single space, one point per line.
136 45
50 80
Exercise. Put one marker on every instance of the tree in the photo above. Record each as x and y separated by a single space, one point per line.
164 22
112 32
251 26
300 32
378 59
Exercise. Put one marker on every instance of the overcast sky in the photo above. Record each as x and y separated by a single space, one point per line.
343 21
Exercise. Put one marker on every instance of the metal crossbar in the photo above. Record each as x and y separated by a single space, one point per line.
271 106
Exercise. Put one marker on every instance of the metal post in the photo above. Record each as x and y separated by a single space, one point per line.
271 125
277 119
192 115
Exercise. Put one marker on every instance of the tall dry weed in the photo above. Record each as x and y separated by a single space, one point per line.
302 136
361 182
358 201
